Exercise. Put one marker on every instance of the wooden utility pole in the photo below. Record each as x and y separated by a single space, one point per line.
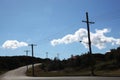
27 55
32 45
89 42
57 56
46 55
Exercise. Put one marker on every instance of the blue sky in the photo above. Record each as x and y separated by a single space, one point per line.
41 21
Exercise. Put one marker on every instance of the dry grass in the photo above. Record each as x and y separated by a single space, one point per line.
41 73
108 73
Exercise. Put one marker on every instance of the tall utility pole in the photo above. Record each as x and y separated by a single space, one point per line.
32 45
27 55
89 42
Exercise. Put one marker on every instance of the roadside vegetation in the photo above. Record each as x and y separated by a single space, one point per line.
107 64
8 63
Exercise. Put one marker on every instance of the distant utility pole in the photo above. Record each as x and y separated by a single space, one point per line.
46 55
58 56
89 42
32 45
27 55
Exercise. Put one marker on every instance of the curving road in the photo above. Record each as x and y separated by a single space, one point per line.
16 74
19 74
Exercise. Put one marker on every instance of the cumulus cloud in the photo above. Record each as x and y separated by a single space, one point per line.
13 44
98 39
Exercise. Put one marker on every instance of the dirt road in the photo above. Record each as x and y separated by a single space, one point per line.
15 74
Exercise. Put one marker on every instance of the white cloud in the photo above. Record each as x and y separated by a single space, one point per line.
98 38
13 44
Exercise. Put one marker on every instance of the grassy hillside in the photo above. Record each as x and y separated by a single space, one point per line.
9 63
107 64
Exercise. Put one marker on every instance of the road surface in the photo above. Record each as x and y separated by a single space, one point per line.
19 74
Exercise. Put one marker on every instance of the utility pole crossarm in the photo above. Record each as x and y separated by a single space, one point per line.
32 45
89 22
